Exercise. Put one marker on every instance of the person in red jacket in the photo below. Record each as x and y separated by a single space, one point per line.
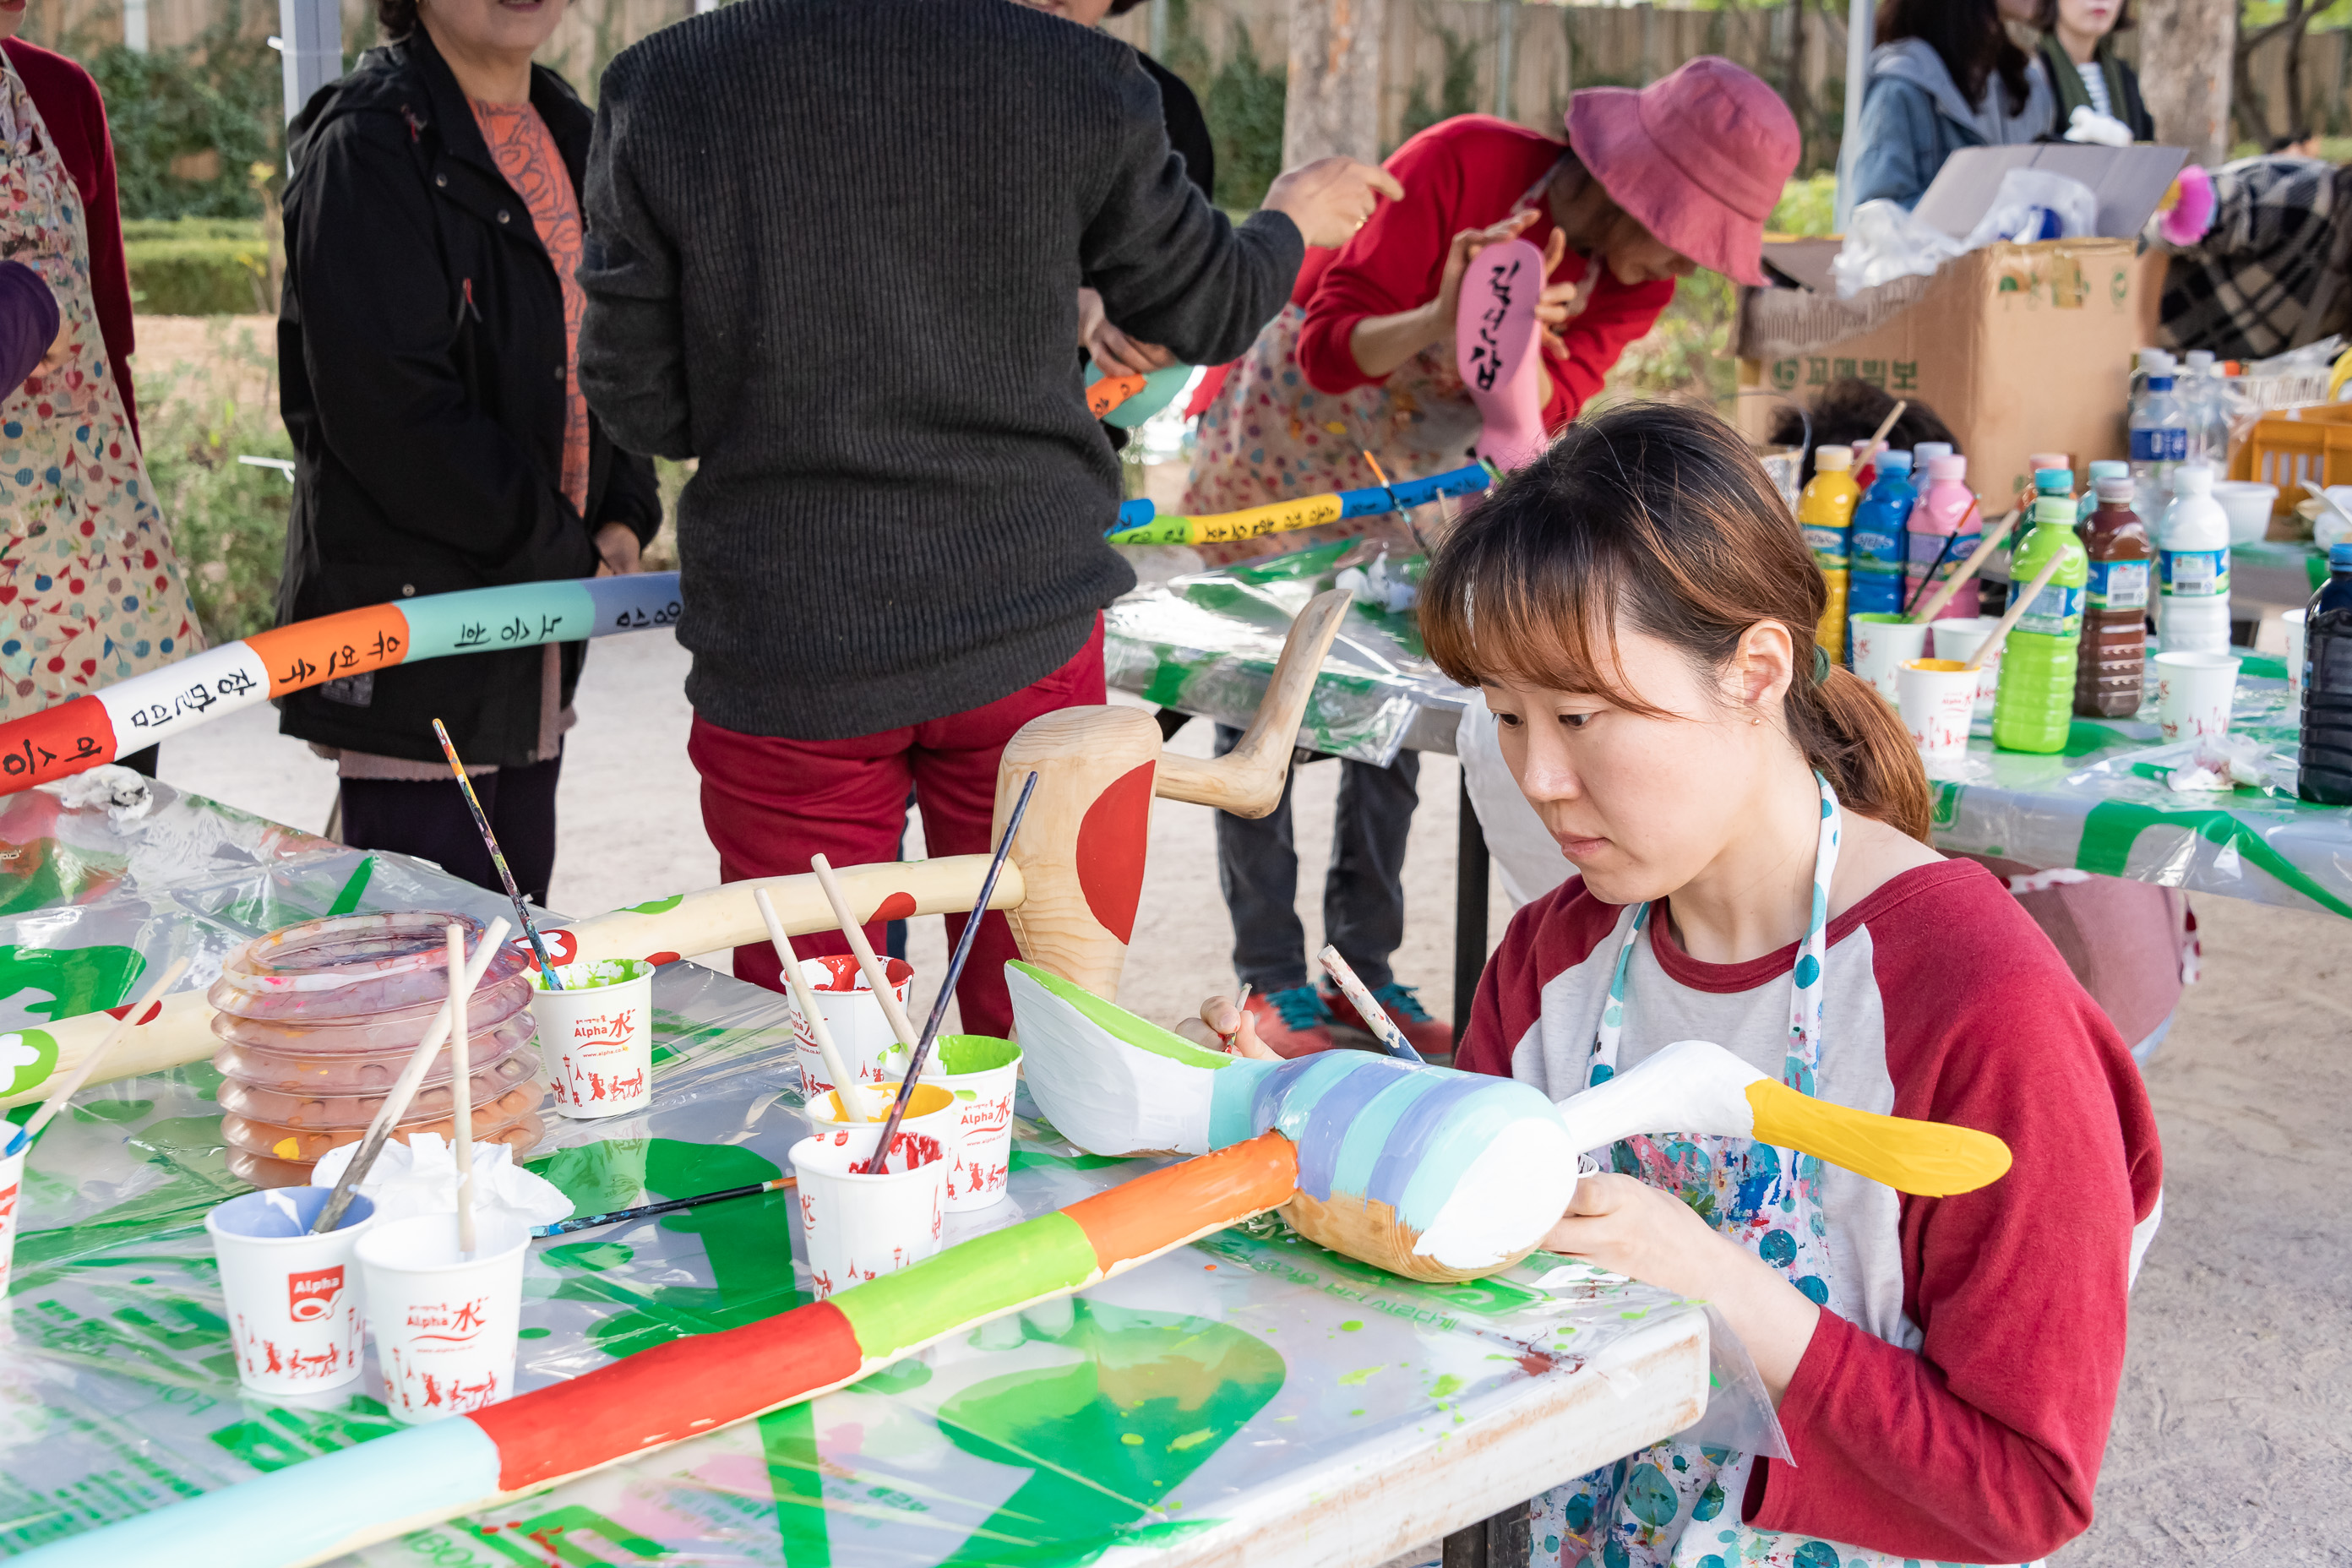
1354 384
76 115
1748 824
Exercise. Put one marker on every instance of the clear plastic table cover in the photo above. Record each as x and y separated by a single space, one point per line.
1206 644
1197 1388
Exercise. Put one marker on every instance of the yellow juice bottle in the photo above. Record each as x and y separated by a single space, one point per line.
1825 512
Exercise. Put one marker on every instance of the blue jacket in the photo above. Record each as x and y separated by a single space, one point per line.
1912 117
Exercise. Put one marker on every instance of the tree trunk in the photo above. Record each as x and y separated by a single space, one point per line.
1334 99
1794 91
2185 52
2298 27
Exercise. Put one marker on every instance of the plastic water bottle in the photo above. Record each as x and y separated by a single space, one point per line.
1926 452
2111 668
1944 530
1879 524
2192 612
2159 434
1825 512
2325 751
2101 469
2204 399
2036 708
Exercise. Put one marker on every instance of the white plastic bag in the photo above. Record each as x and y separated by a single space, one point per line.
2087 124
2034 204
1883 242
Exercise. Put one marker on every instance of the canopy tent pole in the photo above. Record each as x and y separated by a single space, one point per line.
1858 23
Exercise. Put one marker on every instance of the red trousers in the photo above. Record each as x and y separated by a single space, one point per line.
769 803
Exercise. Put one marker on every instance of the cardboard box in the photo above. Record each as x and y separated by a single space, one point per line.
2018 348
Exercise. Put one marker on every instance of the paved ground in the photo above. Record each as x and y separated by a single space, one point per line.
2234 1432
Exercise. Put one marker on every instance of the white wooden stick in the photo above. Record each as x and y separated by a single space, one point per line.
403 1087
844 1082
1878 437
461 1064
2016 612
72 1085
871 967
1942 593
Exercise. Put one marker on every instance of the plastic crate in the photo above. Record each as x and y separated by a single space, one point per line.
2313 442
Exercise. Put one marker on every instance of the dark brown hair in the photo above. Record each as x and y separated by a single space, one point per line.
1850 410
1657 517
1967 33
394 19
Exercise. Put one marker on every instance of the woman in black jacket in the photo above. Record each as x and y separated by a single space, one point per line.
428 338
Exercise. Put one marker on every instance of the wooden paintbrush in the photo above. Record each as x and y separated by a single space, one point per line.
461 1066
845 1082
1375 1016
878 979
523 913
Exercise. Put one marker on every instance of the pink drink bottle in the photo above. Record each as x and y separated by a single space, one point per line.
1944 528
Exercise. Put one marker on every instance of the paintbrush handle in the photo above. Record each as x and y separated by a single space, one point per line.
498 857
1878 437
955 973
667 1206
1969 568
1368 1007
878 979
844 1082
461 1083
2016 612
403 1087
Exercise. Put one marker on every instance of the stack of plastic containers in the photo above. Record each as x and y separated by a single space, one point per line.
317 1020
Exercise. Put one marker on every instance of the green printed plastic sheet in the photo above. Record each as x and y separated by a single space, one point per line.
1203 1388
1207 643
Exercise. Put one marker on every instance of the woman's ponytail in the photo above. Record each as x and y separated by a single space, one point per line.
1847 730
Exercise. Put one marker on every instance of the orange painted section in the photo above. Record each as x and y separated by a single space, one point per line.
1137 1218
311 653
1110 391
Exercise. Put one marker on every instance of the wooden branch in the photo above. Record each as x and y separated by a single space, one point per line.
1247 780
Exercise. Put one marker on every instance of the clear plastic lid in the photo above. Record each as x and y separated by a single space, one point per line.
372 1034
351 1072
1929 451
351 966
492 1080
2117 487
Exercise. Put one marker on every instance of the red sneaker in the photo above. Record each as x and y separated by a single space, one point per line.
1432 1039
1291 1022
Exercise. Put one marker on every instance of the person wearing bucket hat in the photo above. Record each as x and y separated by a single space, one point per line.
1354 384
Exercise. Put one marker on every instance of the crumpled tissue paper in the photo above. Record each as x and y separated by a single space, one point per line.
420 1177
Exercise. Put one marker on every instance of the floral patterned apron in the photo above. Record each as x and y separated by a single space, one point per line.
90 591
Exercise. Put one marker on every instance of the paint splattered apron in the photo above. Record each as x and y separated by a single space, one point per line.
1677 1504
1270 435
89 589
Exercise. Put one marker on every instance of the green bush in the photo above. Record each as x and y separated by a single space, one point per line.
215 104
227 519
1807 208
198 267
1243 107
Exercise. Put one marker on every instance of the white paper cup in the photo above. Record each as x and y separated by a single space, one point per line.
12 1181
2294 621
981 1071
292 1299
444 1325
860 1028
1959 640
596 1036
2193 692
1883 644
1936 696
860 1226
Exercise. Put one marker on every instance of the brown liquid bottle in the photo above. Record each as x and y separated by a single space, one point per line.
2108 675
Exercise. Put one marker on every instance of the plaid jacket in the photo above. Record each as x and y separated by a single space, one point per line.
2242 291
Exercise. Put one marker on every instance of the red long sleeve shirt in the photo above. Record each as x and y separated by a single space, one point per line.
1464 173
1956 1407
76 115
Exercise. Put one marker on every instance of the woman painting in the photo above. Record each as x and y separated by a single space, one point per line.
1748 824
430 336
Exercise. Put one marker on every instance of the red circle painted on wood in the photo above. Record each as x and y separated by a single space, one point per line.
1112 837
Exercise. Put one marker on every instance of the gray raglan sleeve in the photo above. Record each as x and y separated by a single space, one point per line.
1170 268
632 333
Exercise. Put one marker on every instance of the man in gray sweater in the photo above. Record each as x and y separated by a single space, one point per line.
835 249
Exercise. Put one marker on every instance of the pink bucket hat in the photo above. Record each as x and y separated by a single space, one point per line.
1698 158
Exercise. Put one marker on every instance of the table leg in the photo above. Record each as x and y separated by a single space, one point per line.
1504 1540
1470 871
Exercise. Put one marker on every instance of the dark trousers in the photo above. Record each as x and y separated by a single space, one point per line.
1363 889
430 821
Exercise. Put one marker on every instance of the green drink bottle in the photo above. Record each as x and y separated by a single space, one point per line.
2036 705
